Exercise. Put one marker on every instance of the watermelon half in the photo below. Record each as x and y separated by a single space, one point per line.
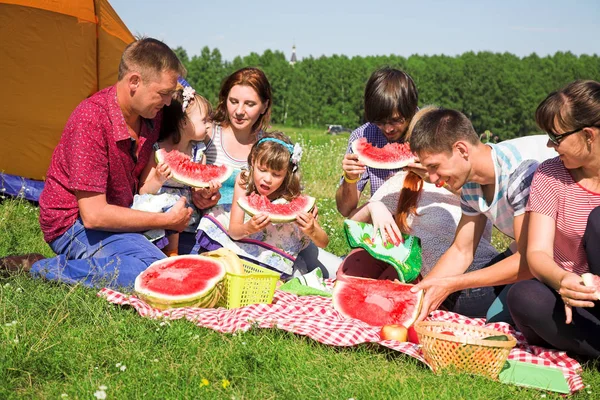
191 173
278 212
390 156
592 280
181 281
376 302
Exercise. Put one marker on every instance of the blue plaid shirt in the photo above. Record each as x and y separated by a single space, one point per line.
377 176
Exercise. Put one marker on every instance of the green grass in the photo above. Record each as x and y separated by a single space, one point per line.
66 340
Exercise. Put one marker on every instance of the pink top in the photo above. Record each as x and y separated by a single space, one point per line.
554 193
94 154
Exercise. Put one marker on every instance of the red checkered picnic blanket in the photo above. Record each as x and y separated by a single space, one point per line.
315 317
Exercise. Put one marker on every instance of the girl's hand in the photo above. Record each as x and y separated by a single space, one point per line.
163 172
306 222
418 169
352 167
213 187
384 223
575 294
257 223
203 201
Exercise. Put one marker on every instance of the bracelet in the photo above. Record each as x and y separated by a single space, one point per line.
348 180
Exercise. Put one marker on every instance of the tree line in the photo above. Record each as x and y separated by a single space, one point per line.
498 92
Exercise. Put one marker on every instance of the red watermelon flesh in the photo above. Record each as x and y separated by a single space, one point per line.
377 302
592 280
191 173
390 156
181 281
278 212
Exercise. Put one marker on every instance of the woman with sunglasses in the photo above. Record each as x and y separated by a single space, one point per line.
557 310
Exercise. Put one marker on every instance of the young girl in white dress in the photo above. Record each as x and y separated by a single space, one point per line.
184 128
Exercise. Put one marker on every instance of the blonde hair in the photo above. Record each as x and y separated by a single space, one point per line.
276 157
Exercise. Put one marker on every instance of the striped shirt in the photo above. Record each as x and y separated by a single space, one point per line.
554 193
515 162
377 176
216 153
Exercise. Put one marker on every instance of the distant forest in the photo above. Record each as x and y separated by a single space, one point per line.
498 92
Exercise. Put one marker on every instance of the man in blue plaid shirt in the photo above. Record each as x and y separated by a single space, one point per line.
390 103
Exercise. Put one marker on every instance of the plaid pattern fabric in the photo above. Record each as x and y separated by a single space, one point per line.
315 317
377 139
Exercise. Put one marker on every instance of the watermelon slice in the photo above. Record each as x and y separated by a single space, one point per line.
592 280
232 262
277 211
191 173
181 281
376 302
390 156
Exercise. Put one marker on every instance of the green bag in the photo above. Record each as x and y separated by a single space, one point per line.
405 258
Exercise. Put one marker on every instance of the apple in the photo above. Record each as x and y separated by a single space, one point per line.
412 335
394 332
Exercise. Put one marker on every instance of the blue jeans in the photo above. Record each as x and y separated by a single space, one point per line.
97 258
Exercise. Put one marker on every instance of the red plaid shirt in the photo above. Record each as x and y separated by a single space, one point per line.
94 154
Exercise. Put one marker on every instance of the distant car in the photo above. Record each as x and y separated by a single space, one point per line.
335 129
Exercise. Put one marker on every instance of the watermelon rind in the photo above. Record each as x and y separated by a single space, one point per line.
277 218
189 181
384 289
205 298
588 280
232 262
370 162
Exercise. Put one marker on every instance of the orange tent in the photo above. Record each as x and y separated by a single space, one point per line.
54 54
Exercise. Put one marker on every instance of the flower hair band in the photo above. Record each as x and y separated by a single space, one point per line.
188 95
295 150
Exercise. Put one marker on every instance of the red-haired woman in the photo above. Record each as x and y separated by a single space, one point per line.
243 112
432 214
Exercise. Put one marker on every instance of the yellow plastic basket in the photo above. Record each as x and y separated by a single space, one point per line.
464 350
255 286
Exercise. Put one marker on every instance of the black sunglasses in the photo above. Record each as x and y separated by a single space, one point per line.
556 139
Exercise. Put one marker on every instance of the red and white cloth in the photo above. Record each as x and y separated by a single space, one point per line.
315 317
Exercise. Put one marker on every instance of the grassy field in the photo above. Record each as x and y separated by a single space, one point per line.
58 341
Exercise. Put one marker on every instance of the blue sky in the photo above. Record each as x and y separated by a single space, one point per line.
323 27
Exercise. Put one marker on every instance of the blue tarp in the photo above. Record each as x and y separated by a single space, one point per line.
17 186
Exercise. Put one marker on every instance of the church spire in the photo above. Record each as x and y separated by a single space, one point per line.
293 57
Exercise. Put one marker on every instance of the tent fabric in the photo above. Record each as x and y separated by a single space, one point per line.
54 55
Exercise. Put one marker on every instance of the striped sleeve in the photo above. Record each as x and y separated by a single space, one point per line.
519 183
468 194
543 196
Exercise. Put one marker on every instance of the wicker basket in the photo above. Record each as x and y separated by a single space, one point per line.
255 286
466 351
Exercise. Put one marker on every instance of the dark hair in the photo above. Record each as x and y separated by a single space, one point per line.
276 157
438 129
576 105
258 81
389 93
149 57
174 116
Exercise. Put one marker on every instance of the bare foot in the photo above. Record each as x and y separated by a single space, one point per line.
23 262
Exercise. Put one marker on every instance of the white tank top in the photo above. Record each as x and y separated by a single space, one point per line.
216 153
